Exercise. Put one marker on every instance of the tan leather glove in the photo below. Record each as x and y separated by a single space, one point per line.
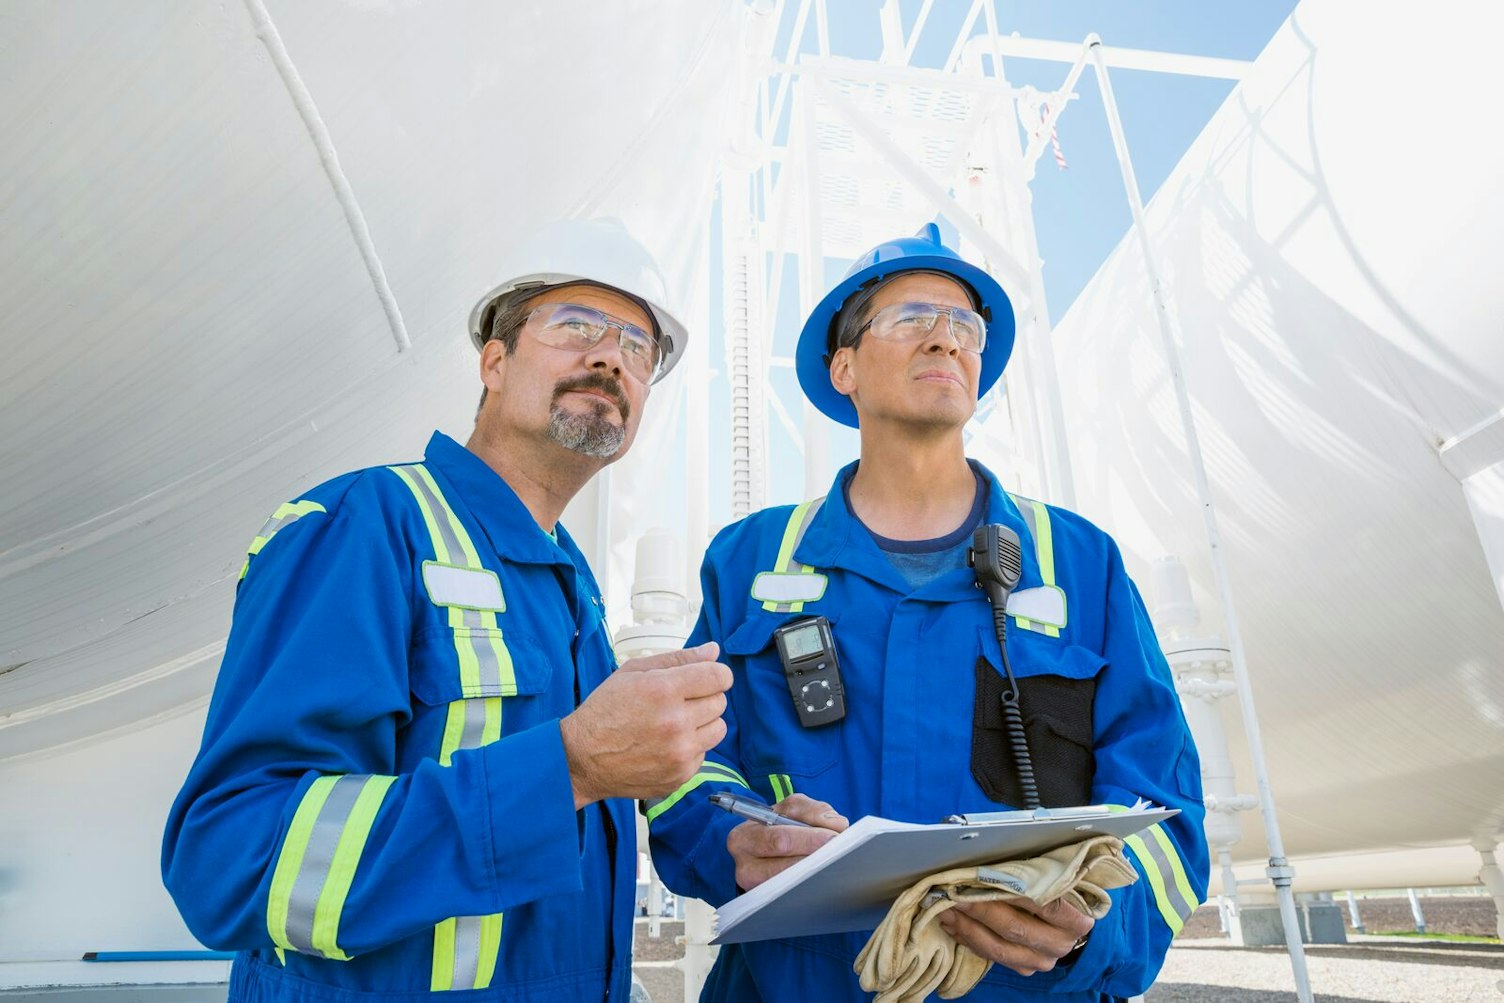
910 955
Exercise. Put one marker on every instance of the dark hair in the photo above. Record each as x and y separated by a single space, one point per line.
506 317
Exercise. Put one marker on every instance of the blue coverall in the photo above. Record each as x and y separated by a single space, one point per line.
904 749
382 776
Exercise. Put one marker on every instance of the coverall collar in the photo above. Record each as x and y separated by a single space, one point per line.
837 539
493 504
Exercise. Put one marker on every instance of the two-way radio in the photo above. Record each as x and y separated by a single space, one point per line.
997 559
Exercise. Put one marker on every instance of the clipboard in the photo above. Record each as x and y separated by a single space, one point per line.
849 883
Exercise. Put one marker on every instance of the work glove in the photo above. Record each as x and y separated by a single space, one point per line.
910 955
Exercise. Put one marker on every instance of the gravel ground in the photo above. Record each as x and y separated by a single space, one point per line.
1368 970
1201 968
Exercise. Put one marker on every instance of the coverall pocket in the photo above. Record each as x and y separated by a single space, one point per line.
1056 699
771 738
475 662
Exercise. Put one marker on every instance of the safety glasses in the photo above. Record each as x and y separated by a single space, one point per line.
913 321
576 328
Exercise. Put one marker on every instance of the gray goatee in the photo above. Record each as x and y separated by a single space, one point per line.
592 434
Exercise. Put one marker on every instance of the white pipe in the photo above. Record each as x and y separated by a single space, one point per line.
1352 911
1415 911
324 143
1279 870
1227 904
1124 59
1493 879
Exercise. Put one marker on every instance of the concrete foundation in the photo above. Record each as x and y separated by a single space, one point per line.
1261 926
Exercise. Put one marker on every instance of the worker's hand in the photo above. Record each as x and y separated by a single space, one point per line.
761 851
645 730
1020 935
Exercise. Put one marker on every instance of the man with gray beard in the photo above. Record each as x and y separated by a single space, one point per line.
417 768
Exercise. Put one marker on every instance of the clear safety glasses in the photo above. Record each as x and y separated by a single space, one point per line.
913 321
576 328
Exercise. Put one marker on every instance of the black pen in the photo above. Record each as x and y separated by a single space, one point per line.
753 810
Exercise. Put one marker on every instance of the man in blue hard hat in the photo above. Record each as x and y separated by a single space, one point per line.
902 349
417 769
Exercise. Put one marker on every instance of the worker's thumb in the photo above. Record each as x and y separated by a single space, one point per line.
706 652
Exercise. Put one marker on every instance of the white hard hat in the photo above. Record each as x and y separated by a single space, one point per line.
586 250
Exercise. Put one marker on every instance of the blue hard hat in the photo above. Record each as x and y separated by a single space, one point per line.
921 252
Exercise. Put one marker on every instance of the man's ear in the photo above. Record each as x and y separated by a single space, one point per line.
493 356
841 376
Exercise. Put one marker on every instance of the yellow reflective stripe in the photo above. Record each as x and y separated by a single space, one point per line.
793 532
441 978
465 947
490 947
290 859
485 662
790 534
1175 902
1044 543
430 518
470 724
709 773
286 513
783 787
317 863
467 548
453 545
1170 857
491 731
352 842
454 728
1037 517
1156 882
469 663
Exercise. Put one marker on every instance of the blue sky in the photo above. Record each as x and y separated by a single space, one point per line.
1081 213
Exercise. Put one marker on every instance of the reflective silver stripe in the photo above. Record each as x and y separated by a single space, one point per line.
276 522
1026 509
1173 894
441 516
475 724
792 566
485 655
469 931
318 858
466 951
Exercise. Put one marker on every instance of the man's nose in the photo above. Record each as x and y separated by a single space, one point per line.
606 353
942 339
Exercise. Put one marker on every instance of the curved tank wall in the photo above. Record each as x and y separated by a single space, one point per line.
1331 246
192 335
